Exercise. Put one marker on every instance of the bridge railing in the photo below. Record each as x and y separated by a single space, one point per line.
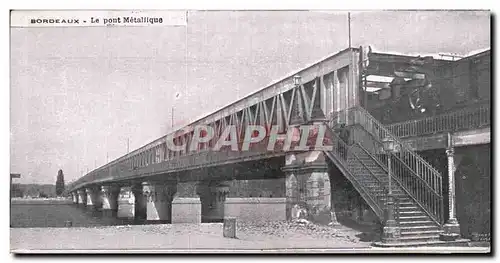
472 117
189 160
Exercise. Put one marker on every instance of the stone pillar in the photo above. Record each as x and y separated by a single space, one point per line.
213 197
159 196
109 200
75 197
308 190
451 228
186 204
93 200
82 197
140 203
292 193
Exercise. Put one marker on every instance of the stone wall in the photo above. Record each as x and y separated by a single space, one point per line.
186 210
256 209
347 202
270 188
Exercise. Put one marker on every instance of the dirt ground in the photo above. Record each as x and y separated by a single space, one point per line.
275 237
279 235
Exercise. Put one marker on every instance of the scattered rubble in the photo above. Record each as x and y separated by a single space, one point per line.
297 229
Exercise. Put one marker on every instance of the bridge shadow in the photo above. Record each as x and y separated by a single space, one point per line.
370 232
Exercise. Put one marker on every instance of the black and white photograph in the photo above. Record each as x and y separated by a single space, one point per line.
184 131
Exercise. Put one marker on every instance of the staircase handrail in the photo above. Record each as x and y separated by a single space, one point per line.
384 166
414 165
400 145
343 161
437 219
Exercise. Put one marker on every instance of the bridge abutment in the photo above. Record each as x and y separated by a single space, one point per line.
159 196
308 190
109 199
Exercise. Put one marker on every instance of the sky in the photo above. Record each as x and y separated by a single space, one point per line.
78 95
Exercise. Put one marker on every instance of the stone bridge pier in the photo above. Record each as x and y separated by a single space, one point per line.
199 202
140 208
213 197
109 199
308 188
158 197
82 197
74 195
93 198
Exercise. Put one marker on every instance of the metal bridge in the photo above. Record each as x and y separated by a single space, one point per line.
331 91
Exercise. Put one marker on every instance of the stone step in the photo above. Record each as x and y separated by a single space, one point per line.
420 238
413 218
407 224
421 233
427 243
411 213
412 207
411 229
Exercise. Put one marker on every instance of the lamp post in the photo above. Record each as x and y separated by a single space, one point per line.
391 230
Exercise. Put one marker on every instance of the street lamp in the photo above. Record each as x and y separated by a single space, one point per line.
391 230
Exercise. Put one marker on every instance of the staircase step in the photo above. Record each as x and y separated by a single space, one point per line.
413 218
431 243
421 233
401 199
405 208
415 223
411 229
406 204
421 230
411 212
428 237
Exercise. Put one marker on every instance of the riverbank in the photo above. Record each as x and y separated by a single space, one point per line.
176 237
40 201
203 238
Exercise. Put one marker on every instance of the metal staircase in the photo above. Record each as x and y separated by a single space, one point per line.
416 186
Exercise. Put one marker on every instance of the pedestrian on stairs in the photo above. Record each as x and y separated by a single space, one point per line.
345 134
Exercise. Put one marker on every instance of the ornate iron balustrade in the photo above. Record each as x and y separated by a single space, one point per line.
416 176
471 117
